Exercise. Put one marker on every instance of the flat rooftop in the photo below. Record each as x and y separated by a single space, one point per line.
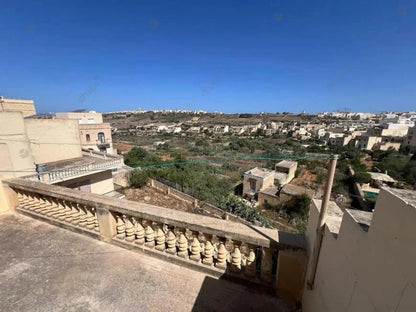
271 190
287 164
381 177
72 162
363 218
292 189
259 172
47 268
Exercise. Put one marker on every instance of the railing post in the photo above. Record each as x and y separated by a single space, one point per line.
106 223
267 265
8 198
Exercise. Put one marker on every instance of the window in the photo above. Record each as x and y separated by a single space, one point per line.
101 137
87 137
252 186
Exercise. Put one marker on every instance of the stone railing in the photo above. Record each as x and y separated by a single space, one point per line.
69 173
88 152
211 245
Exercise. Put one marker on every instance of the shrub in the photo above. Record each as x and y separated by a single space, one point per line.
298 206
138 178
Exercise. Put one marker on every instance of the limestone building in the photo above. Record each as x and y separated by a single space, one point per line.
27 107
255 180
94 134
50 151
285 171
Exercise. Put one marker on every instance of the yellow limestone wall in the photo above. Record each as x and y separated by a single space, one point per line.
367 271
26 107
53 139
15 151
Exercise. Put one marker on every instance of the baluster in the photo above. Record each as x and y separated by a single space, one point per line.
35 202
236 260
266 265
27 201
221 256
150 236
84 217
65 211
95 218
60 210
208 253
171 242
55 207
160 239
68 211
129 228
250 270
182 246
22 198
195 250
79 213
39 203
47 205
139 233
120 227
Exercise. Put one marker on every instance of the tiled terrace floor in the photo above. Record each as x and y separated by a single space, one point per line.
46 268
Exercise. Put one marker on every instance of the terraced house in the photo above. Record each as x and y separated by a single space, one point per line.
50 151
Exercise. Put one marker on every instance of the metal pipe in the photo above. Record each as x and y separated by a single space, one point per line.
320 226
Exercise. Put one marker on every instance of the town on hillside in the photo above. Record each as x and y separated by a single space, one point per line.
245 196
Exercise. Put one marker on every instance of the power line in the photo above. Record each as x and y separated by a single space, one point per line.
31 142
260 157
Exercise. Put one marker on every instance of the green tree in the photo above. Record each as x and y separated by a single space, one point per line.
138 178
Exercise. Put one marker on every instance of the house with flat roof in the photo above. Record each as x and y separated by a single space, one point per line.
274 195
285 171
50 151
94 134
256 179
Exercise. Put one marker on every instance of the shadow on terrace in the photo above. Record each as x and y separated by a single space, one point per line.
169 259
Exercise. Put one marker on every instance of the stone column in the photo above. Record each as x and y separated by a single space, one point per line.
266 265
106 223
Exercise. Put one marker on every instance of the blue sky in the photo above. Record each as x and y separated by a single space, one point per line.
230 56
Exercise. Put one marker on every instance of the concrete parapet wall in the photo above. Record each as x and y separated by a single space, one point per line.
367 260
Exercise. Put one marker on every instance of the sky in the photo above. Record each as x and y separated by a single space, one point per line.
229 56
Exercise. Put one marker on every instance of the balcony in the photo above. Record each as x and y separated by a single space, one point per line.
252 256
90 162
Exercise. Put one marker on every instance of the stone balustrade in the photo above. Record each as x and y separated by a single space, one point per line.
66 173
212 245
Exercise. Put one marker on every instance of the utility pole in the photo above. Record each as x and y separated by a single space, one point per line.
320 227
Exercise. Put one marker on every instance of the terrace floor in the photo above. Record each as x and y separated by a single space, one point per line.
46 268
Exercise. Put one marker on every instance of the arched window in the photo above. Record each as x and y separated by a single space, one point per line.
87 137
101 137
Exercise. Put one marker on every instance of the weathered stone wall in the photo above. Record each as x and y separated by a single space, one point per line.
362 270
53 139
15 151
26 107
